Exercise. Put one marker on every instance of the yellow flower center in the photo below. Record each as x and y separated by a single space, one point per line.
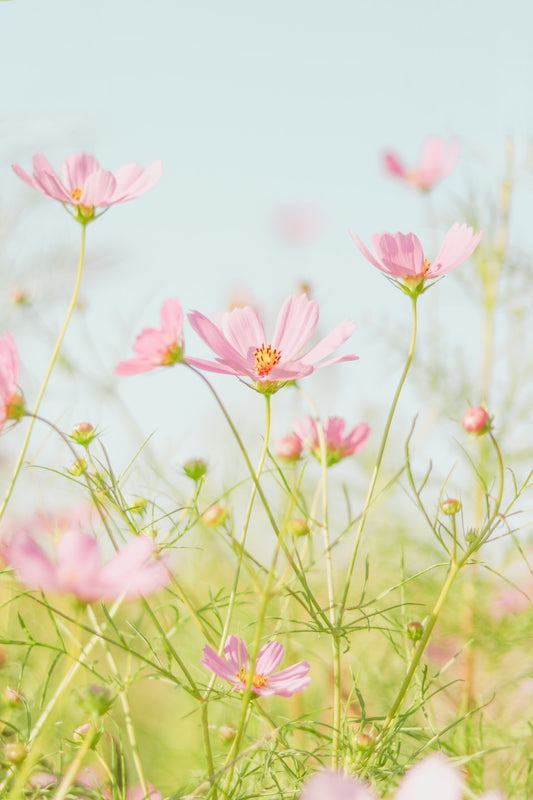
266 357
258 681
76 193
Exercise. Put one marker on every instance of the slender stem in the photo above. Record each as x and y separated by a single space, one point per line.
75 765
125 703
377 466
246 523
46 378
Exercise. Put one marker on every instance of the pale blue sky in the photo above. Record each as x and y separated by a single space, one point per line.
250 105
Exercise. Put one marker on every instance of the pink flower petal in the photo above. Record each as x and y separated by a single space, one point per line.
133 181
236 652
296 322
329 343
75 170
433 777
98 189
34 569
211 660
268 658
400 254
336 786
290 680
243 330
458 245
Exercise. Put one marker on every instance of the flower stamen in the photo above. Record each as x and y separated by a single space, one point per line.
266 357
427 265
258 681
76 193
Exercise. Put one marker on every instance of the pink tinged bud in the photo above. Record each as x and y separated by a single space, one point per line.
227 733
80 732
78 467
298 527
13 696
415 631
289 448
214 515
476 420
83 433
450 506
363 741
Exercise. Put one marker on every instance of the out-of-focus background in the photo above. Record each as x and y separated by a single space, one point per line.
270 120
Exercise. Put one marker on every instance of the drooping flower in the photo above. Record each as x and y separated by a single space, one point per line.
85 185
338 445
433 777
157 347
400 256
242 349
437 159
77 569
11 404
265 682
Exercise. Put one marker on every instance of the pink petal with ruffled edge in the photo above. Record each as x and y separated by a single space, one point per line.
212 661
295 324
290 680
458 245
401 254
243 330
268 658
133 181
355 440
75 170
328 344
98 189
134 571
236 652
172 320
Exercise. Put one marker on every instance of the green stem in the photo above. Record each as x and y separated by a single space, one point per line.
375 473
47 374
125 703
75 765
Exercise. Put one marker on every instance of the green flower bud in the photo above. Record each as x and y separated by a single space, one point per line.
195 468
415 631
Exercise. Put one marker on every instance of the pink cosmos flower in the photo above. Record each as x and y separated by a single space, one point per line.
241 344
10 400
77 569
235 667
438 157
157 347
401 256
299 224
433 777
338 445
85 184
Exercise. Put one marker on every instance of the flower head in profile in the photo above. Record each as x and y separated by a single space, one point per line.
243 349
85 185
437 159
338 445
433 777
400 256
235 668
11 403
157 347
76 567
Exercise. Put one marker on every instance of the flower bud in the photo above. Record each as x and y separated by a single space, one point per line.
19 297
214 515
476 420
227 733
13 696
195 468
83 433
363 741
298 527
15 408
96 700
78 467
450 506
471 535
15 752
289 448
415 631
138 505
